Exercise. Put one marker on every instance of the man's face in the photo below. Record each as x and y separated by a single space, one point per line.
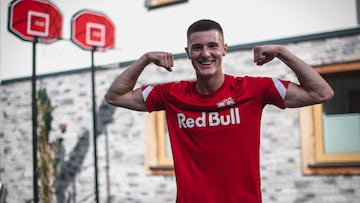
206 49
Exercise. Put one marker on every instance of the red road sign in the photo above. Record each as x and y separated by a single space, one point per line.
92 29
30 19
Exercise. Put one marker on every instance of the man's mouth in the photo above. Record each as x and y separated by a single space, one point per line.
206 62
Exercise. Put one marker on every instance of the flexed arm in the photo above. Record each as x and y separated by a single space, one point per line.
122 93
313 89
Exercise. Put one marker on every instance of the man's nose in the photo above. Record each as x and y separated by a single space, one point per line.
205 52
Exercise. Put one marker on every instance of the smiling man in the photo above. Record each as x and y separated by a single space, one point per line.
214 121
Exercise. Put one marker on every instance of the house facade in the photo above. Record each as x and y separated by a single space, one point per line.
129 165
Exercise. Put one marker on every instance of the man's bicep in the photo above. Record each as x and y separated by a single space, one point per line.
297 96
137 101
132 100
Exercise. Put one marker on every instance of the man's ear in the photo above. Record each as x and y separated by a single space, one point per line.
187 52
225 49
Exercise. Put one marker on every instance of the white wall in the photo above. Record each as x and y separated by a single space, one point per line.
139 30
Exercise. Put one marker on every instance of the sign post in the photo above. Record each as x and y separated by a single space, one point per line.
35 21
93 31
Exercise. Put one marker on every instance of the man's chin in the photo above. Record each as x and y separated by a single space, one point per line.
206 73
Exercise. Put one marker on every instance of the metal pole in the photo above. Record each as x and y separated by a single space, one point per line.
34 123
107 167
94 123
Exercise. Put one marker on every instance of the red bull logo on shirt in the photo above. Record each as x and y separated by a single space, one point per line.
211 119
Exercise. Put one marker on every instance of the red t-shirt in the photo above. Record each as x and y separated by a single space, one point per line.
215 138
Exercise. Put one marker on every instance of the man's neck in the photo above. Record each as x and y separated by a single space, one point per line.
207 85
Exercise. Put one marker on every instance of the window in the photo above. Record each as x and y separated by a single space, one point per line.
158 151
152 4
331 131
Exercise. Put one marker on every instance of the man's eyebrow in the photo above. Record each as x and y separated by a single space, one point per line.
213 43
196 45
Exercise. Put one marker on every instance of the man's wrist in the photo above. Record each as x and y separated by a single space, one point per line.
145 59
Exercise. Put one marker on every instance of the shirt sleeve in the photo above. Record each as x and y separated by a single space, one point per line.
276 92
269 90
154 96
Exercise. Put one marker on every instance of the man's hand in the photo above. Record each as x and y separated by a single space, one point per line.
163 59
265 53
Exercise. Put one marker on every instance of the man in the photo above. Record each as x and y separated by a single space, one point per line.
214 122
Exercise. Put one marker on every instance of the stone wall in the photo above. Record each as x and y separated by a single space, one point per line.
123 131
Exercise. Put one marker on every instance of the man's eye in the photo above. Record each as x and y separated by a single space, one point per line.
196 48
213 46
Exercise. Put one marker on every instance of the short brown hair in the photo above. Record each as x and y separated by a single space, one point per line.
204 25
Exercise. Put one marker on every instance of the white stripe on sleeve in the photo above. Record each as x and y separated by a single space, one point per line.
145 93
280 87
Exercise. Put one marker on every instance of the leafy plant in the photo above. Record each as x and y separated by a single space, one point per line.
47 152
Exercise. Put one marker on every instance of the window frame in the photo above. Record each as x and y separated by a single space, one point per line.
156 161
320 155
314 160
